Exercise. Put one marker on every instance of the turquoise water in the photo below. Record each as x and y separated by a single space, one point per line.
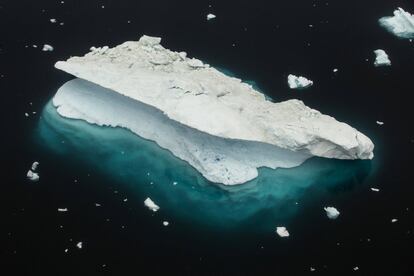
272 198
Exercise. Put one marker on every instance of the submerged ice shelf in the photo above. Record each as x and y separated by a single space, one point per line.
218 124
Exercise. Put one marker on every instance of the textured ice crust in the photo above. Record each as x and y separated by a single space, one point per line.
220 160
401 24
220 125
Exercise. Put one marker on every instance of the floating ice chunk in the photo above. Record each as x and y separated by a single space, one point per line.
381 58
211 16
356 268
62 209
282 231
218 124
35 165
79 245
380 123
151 205
375 189
331 212
296 82
335 70
394 220
312 269
401 24
47 48
32 176
53 20
26 114
97 205
165 223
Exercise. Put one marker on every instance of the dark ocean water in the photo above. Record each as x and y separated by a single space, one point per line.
213 230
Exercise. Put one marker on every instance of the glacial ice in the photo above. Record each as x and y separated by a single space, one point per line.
47 48
401 24
331 212
218 124
282 232
381 58
296 82
151 205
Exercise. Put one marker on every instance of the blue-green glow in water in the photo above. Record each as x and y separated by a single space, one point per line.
267 200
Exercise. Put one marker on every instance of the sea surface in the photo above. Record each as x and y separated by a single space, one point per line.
103 175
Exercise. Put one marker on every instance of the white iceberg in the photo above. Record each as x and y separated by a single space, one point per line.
331 212
165 223
296 82
401 24
62 209
282 232
47 48
375 189
151 205
79 245
379 123
35 165
211 16
218 124
381 58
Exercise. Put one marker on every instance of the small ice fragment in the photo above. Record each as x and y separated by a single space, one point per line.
175 183
381 58
32 176
282 231
374 189
394 220
211 16
151 205
79 245
312 269
53 20
62 209
165 223
380 123
47 48
331 212
97 205
125 199
356 268
296 82
26 114
335 70
35 165
66 250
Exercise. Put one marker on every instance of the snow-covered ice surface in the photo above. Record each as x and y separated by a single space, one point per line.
282 231
331 212
218 124
298 82
381 58
151 205
401 24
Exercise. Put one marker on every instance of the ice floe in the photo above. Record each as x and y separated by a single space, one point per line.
298 82
211 16
31 174
151 205
282 231
401 24
331 212
47 48
381 58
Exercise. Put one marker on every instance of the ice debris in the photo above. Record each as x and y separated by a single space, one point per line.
165 223
381 58
282 231
296 82
211 16
79 245
331 212
151 205
379 123
31 174
62 209
375 189
47 48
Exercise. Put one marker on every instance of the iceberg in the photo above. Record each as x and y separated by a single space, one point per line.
218 124
331 212
401 24
296 82
381 58
31 174
47 48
